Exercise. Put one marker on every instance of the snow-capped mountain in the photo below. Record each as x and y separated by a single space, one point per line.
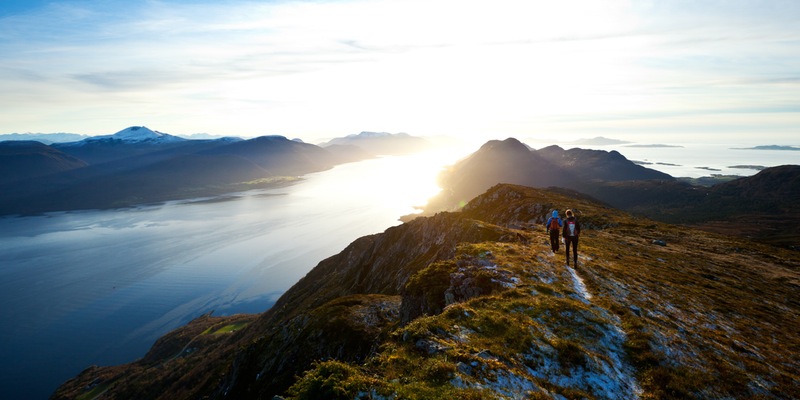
138 134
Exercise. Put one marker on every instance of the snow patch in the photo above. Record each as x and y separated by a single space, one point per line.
580 287
136 134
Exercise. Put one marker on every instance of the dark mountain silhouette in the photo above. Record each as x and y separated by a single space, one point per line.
473 305
151 167
30 159
278 154
751 206
764 207
510 161
382 143
593 165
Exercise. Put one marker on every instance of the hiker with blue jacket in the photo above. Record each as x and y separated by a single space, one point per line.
553 225
572 230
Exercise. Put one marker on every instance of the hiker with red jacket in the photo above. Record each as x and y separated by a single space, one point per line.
572 230
553 224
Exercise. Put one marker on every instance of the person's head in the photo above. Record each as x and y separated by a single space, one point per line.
569 213
555 214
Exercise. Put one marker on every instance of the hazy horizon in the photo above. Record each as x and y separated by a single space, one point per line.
629 70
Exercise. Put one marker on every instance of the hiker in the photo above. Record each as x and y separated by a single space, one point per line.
572 230
553 224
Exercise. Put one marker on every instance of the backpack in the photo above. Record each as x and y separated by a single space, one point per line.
570 228
554 224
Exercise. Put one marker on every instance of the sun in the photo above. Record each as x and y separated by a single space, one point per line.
406 183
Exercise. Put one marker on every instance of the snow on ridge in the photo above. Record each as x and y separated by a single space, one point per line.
138 134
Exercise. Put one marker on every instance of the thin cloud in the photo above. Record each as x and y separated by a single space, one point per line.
445 65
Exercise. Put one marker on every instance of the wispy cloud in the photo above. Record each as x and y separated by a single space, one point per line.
417 66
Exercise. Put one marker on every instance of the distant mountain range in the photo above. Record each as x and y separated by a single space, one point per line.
771 147
138 165
382 143
599 141
46 138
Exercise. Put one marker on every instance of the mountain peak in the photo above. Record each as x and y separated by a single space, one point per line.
142 133
508 144
137 134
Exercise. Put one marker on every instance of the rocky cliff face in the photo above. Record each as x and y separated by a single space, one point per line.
474 305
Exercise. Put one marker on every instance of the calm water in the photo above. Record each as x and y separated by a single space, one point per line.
695 160
99 287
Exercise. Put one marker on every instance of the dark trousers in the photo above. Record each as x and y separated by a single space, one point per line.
573 240
554 239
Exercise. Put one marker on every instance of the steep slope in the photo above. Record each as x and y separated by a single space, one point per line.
474 305
21 160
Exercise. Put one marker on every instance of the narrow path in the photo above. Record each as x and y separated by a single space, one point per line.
612 377
580 287
612 341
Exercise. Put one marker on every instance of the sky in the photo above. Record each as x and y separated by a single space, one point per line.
646 71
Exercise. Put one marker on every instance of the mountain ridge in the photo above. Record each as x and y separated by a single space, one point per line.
474 305
136 165
511 161
21 160
117 172
772 195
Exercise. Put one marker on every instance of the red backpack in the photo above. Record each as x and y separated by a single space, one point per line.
553 224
